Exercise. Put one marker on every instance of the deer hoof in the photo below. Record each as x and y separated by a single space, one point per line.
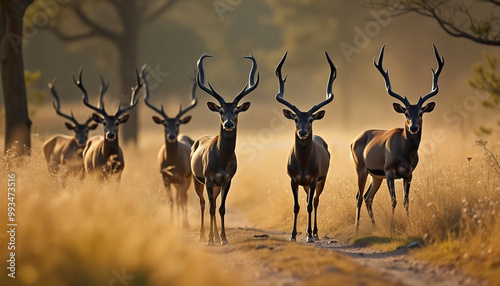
310 239
210 243
224 242
293 239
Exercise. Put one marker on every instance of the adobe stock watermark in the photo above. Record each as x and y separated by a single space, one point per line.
155 76
364 35
223 6
41 18
120 278
258 142
455 115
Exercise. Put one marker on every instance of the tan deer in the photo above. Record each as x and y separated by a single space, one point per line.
102 154
62 151
391 154
173 158
213 161
309 158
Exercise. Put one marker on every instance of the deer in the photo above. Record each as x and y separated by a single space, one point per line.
174 155
392 154
62 150
309 158
102 154
213 161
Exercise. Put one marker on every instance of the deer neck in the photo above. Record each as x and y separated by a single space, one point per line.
226 143
111 147
171 146
303 148
411 142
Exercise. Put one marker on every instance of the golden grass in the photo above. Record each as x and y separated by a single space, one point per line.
89 233
83 233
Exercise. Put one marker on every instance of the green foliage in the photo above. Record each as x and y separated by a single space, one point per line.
487 79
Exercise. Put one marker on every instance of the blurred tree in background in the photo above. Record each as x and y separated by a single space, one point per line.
118 21
486 79
17 121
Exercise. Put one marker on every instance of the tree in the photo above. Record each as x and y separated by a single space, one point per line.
17 121
120 23
486 79
459 18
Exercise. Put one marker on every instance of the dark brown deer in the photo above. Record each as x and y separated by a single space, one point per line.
213 161
102 154
173 158
309 158
391 154
62 151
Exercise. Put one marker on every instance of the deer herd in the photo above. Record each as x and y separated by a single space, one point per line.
210 161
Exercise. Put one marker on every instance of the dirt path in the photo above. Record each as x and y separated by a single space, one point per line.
265 257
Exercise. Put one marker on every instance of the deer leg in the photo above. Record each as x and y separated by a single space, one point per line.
370 193
170 198
222 212
406 202
217 190
362 174
198 187
296 208
310 198
319 190
185 186
211 200
392 192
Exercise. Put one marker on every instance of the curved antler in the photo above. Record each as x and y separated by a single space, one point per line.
281 91
146 98
134 99
200 79
252 84
435 77
385 74
86 96
57 104
329 94
193 103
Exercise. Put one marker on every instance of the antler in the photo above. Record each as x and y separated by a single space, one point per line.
252 84
279 95
79 83
435 77
57 104
200 78
329 94
385 74
146 99
134 99
194 101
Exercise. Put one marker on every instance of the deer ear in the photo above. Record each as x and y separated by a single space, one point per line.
157 120
244 107
69 126
93 126
124 118
185 119
398 108
288 114
319 115
213 107
96 118
429 107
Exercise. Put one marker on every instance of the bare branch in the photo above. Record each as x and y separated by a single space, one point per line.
98 29
148 19
70 37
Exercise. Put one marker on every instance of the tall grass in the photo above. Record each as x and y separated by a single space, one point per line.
89 233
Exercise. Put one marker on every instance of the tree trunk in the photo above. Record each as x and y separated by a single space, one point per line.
17 121
128 52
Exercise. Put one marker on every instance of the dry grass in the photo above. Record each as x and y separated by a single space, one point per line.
88 233
81 232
